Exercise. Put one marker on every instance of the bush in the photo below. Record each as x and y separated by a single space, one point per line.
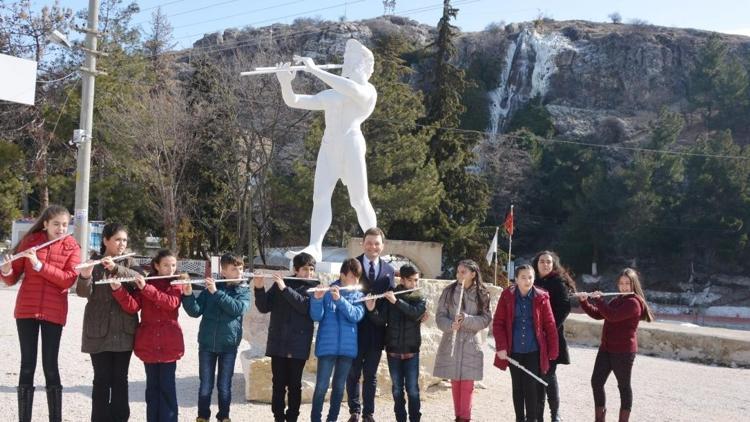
534 117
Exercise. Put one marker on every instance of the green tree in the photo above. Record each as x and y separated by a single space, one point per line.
718 85
404 183
23 33
654 190
11 186
534 117
464 205
717 201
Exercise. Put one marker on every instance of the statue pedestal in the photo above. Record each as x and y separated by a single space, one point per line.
257 367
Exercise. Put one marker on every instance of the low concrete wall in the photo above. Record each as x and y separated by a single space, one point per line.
716 346
672 341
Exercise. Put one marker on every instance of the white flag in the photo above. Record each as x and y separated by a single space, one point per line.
493 249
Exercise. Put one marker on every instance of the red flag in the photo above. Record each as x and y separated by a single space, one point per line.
508 224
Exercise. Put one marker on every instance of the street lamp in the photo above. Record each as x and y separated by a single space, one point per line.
83 166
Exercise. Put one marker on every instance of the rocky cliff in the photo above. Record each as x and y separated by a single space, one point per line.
584 72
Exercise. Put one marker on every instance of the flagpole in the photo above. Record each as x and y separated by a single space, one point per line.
495 279
510 244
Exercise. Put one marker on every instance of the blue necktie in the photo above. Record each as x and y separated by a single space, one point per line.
371 272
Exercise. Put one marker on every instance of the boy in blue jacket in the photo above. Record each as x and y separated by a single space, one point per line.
336 343
222 306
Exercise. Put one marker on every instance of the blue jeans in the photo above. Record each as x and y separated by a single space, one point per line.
405 372
206 371
339 366
366 366
161 392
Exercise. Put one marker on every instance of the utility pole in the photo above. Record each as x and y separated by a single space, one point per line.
82 136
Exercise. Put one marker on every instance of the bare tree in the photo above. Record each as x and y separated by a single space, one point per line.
160 130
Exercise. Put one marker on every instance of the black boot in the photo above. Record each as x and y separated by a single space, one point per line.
25 402
54 403
600 414
554 411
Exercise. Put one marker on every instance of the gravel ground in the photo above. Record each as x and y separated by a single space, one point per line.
664 390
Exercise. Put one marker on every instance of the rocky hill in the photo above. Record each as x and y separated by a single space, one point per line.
585 73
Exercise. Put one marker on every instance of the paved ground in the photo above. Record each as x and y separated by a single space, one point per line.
664 390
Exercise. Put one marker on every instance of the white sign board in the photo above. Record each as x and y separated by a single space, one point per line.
17 79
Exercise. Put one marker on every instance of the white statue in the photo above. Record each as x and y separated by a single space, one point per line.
347 104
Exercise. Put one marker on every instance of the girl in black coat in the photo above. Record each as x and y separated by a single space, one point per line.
557 282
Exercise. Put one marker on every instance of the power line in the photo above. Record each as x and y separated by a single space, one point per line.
490 135
161 4
249 43
320 9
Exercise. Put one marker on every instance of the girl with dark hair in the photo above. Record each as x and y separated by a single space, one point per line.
42 303
619 339
158 339
524 329
555 280
108 330
463 311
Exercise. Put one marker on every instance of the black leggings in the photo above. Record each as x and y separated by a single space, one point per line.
622 365
551 392
28 337
109 393
525 389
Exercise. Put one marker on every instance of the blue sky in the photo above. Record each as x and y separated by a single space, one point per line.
192 18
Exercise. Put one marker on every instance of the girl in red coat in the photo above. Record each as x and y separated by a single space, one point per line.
158 339
619 340
524 329
42 303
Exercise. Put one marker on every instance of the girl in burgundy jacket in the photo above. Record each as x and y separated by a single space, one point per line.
158 338
42 303
524 329
619 340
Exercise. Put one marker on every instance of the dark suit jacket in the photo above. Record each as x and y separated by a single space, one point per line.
370 335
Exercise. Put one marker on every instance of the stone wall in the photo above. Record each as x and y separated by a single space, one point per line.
716 346
257 367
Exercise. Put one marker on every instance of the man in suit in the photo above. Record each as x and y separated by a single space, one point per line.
377 278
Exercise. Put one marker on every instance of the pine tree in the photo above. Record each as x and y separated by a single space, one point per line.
719 85
654 188
11 185
464 205
717 200
404 184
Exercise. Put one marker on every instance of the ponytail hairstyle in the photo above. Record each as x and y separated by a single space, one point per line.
557 269
49 213
483 294
163 253
108 231
525 267
635 282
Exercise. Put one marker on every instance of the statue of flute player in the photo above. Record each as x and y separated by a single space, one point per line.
347 104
